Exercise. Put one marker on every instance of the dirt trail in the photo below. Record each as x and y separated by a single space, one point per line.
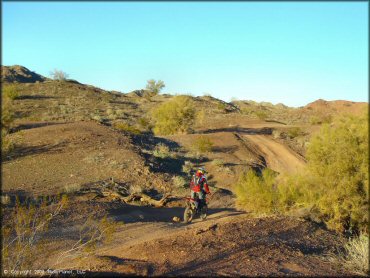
147 224
226 243
277 156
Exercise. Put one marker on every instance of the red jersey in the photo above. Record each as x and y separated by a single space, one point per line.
198 183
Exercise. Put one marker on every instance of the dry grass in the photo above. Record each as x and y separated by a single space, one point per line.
358 254
72 188
355 256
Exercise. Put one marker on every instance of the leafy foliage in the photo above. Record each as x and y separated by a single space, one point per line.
255 193
179 181
262 115
294 132
10 92
202 144
8 96
174 116
155 87
126 127
338 159
335 183
162 151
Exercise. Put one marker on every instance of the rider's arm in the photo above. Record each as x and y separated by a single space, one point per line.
206 188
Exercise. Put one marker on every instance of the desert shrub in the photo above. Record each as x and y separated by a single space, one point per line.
202 144
97 118
58 75
315 120
173 116
10 92
110 111
136 188
222 107
294 132
295 191
155 86
200 117
218 162
262 115
72 188
276 133
320 119
144 123
5 200
247 110
162 151
179 181
255 193
126 127
7 109
356 255
338 159
7 144
10 141
21 235
187 168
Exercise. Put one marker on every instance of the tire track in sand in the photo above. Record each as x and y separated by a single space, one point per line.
277 156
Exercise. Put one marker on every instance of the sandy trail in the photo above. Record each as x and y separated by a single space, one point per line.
157 224
278 157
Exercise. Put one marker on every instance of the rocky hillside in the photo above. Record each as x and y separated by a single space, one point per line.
20 74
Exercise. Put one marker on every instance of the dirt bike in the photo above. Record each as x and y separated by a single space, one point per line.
191 210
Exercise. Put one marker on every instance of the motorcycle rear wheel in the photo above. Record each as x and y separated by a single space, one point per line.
203 212
188 214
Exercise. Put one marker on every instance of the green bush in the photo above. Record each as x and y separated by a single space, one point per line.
218 162
162 151
187 168
320 119
126 127
174 116
179 182
338 158
202 144
262 115
10 92
222 107
336 181
154 87
294 132
144 123
256 194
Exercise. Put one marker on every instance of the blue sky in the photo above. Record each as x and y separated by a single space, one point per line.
288 52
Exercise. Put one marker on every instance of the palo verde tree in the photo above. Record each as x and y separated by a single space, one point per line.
338 158
155 87
174 116
58 75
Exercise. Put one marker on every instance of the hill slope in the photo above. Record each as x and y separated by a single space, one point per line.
68 141
19 74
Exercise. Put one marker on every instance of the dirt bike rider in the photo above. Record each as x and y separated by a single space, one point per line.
198 185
